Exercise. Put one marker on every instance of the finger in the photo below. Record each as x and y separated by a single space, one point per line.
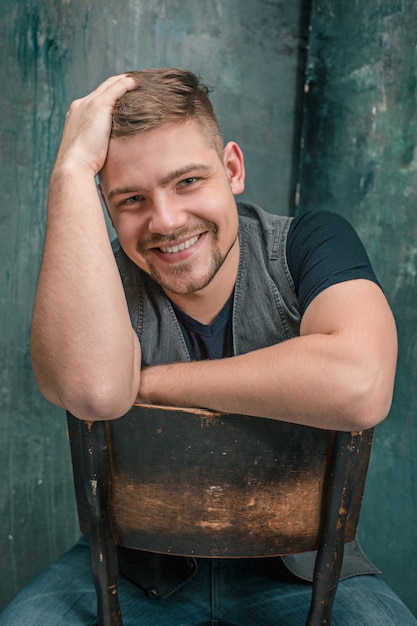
115 84
106 94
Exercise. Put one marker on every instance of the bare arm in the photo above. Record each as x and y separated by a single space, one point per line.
85 355
338 374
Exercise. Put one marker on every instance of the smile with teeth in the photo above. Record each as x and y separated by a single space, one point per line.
182 246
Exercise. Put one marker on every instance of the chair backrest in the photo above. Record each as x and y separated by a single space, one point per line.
198 483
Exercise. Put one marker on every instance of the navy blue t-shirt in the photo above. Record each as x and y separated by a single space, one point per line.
208 341
323 249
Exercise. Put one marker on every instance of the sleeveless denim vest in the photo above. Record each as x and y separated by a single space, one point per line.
265 312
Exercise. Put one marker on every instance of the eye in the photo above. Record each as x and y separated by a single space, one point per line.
188 182
130 200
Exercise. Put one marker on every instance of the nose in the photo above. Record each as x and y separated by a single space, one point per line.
167 215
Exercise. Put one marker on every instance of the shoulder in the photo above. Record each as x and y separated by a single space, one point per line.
316 231
319 225
323 249
268 231
252 215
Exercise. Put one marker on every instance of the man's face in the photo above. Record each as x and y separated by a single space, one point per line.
171 201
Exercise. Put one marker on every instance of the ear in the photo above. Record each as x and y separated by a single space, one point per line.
235 167
103 198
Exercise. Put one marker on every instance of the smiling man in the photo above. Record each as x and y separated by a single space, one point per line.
170 197
199 302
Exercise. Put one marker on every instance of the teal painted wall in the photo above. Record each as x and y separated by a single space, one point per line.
359 159
359 127
52 52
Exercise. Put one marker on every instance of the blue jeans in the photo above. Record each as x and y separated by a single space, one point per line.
242 592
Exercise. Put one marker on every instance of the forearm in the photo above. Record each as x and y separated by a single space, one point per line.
338 374
301 381
85 354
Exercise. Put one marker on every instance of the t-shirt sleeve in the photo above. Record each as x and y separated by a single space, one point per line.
323 249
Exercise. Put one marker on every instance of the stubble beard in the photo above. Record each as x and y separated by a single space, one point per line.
178 282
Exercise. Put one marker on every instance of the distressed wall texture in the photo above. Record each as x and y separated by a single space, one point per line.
358 158
52 52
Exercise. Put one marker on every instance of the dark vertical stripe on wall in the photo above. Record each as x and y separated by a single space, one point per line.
359 159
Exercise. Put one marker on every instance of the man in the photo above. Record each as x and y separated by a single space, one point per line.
248 313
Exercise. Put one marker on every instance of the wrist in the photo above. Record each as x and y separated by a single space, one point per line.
156 386
70 167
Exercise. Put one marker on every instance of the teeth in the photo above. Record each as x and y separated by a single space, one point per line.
182 246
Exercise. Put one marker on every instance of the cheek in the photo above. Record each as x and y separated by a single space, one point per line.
229 221
220 208
128 235
128 229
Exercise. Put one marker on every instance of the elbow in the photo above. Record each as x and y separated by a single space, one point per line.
372 381
104 398
89 391
100 404
369 402
371 411
92 400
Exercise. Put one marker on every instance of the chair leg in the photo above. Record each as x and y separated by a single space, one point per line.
103 553
345 456
105 573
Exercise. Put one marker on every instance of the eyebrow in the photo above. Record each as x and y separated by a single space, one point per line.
120 191
190 167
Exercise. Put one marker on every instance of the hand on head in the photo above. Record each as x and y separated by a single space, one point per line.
88 124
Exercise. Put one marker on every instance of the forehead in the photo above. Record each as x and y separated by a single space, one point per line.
171 136
158 151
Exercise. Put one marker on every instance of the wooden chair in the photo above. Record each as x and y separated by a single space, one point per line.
204 484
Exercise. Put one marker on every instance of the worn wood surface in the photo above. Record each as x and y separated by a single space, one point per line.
94 462
205 484
196 483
